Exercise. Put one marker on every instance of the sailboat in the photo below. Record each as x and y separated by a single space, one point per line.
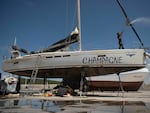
71 65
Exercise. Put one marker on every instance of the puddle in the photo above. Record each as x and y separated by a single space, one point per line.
86 106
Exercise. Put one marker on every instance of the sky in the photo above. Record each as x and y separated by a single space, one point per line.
36 24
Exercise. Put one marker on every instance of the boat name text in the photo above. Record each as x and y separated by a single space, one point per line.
102 60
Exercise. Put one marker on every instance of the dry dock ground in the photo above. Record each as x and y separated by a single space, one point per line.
142 95
136 97
140 101
101 96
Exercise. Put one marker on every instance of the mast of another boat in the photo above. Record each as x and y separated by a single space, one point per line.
79 25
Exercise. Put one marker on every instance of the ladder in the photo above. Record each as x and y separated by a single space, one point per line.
34 75
35 71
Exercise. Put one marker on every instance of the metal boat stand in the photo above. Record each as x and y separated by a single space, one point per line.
83 85
120 85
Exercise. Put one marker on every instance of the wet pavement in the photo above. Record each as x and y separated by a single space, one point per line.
97 103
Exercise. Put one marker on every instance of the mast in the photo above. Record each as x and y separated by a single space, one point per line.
79 24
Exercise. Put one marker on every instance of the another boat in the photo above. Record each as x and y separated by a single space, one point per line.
130 81
8 85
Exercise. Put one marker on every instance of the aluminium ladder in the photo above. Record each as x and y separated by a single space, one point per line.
35 71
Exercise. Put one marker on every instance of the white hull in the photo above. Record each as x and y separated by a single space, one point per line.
131 76
96 62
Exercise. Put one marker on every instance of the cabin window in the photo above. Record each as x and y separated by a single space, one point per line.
49 56
57 56
101 55
66 55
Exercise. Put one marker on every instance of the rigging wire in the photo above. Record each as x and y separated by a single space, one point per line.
67 16
73 17
130 24
72 24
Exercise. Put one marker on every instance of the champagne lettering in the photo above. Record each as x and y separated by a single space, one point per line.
102 60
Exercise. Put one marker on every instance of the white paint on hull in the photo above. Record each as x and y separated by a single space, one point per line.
131 76
73 59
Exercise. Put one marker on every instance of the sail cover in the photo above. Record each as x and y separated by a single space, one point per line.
72 38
